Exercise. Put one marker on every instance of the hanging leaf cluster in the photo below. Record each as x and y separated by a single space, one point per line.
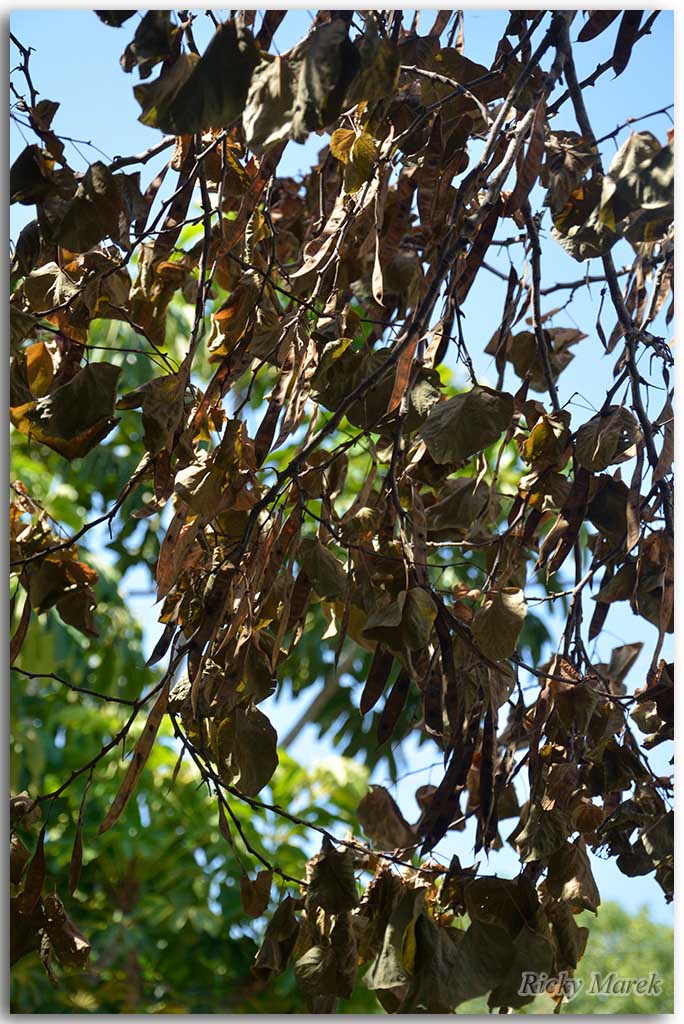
312 475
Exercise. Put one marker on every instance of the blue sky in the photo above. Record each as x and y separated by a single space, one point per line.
77 63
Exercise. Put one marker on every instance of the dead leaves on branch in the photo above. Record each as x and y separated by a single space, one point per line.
75 417
634 200
459 428
50 578
424 946
38 919
324 478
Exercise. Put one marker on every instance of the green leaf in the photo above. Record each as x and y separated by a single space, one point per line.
462 426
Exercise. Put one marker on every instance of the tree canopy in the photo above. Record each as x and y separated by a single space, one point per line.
267 395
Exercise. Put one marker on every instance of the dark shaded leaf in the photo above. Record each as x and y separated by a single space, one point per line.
69 945
139 758
246 750
255 894
626 38
383 822
393 707
331 884
498 622
34 878
115 18
279 940
378 674
75 417
156 39
597 22
461 427
214 94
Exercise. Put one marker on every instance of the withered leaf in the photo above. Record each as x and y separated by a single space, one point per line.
316 971
31 178
596 23
301 92
139 758
103 206
76 862
162 410
405 623
570 877
331 883
246 750
542 835
383 822
462 426
215 92
626 38
637 196
115 18
324 570
255 894
394 705
75 417
279 940
391 969
378 674
498 622
605 437
156 97
156 39
69 945
345 947
461 502
34 878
